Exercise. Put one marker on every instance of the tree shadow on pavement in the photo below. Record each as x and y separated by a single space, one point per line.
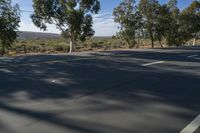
104 91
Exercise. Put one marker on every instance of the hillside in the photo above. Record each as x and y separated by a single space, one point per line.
37 35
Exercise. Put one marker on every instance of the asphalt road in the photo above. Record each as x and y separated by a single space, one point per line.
133 91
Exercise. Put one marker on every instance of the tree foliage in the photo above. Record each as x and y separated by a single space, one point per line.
190 21
72 17
129 18
9 23
149 9
172 32
158 22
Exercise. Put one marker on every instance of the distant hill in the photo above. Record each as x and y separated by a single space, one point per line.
37 35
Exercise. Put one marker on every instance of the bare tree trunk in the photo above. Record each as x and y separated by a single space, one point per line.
25 51
138 43
194 42
152 40
151 35
70 46
3 50
160 43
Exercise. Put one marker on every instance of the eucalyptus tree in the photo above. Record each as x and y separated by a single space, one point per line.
129 18
149 9
167 24
173 33
160 24
190 21
72 17
9 23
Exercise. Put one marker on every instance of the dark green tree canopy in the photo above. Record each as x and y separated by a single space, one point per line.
9 23
190 20
149 9
72 17
158 22
172 31
194 7
129 18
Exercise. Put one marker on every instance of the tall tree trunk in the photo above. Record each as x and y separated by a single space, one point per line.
138 43
160 43
152 40
70 46
25 50
194 42
151 34
3 50
129 43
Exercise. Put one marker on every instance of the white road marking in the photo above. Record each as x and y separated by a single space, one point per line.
53 81
6 70
192 56
193 126
153 63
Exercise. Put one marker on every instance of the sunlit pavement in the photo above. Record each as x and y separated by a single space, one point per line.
127 91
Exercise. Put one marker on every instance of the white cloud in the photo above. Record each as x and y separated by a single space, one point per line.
25 26
103 25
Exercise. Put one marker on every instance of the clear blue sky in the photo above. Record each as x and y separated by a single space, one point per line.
103 22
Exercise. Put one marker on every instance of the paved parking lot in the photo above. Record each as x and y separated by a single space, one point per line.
127 91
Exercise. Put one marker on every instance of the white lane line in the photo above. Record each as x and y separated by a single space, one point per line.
153 63
53 81
193 126
192 56
6 71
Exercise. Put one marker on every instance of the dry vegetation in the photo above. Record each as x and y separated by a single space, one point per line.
55 46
